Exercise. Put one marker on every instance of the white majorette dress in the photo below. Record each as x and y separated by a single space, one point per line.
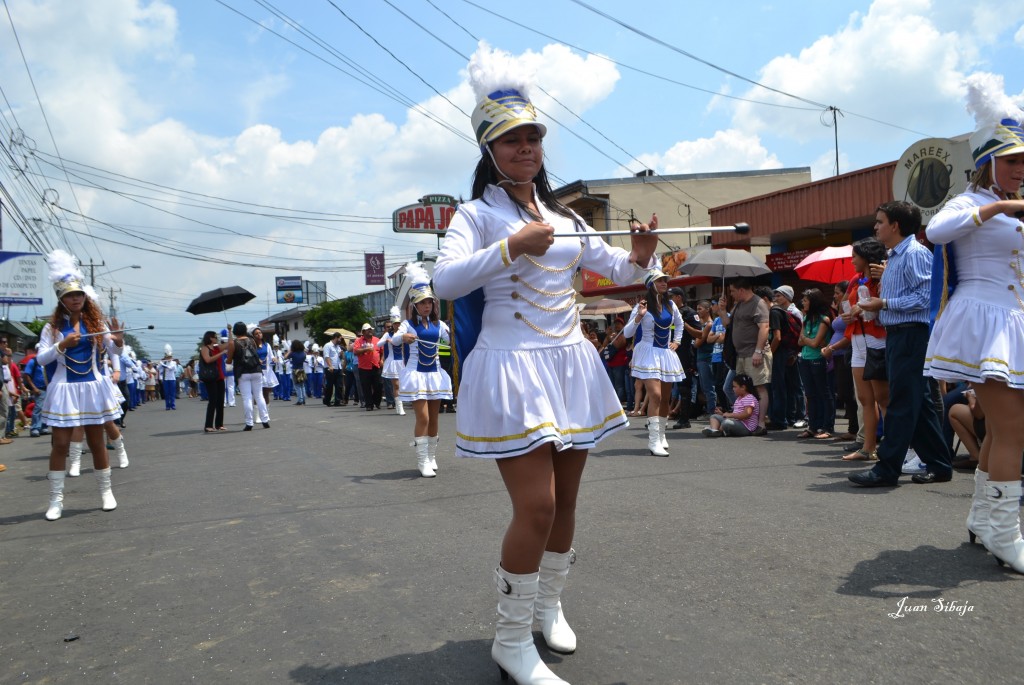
78 394
422 377
980 333
531 378
652 357
394 360
265 353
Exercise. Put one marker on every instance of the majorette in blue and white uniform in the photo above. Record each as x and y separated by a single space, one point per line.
78 393
652 357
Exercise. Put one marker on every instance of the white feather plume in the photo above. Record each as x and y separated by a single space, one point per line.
168 350
491 69
987 100
396 313
91 293
62 265
416 274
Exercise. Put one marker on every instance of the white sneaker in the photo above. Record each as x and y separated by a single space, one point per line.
912 465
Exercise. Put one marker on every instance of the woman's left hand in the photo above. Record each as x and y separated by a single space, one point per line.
118 337
673 346
643 242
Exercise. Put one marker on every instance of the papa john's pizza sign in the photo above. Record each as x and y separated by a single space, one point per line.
431 214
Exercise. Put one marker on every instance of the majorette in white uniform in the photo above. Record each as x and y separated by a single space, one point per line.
652 357
531 377
422 377
78 393
980 332
395 361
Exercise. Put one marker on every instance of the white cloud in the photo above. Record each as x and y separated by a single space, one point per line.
825 165
1018 37
727 150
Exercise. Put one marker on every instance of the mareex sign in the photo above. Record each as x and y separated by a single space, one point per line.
932 171
431 215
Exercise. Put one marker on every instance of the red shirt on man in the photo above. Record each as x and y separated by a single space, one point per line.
367 352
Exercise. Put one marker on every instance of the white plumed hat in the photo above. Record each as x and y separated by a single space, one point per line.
501 85
997 117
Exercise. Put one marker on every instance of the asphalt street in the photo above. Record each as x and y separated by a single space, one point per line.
313 552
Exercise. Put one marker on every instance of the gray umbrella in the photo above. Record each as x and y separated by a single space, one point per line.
724 263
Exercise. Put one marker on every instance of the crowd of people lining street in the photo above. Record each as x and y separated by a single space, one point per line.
920 350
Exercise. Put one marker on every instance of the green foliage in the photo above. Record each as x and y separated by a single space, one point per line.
347 313
36 325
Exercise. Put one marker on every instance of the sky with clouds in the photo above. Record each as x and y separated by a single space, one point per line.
231 141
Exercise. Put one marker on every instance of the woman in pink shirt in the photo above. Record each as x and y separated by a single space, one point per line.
742 420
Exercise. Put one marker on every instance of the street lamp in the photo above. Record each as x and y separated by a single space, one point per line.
92 275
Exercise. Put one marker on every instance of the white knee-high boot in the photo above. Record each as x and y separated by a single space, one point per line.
432 451
75 459
423 457
661 432
513 649
554 569
1004 540
56 506
106 494
120 452
399 407
978 518
654 437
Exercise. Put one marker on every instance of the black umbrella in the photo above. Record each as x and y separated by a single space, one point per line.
219 300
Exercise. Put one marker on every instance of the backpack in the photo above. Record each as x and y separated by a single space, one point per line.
792 327
250 358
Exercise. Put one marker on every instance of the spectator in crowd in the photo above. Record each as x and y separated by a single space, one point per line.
353 389
249 376
704 346
297 358
212 353
836 352
266 355
787 398
742 420
334 374
368 355
749 324
35 382
903 308
817 328
687 357
616 357
968 421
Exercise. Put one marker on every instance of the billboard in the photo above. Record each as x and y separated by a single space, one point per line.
24 278
289 289
374 268
432 214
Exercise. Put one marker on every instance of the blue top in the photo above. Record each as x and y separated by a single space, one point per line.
298 359
717 327
428 335
34 370
80 359
906 284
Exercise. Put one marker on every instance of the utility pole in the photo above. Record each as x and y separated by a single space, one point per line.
113 299
92 271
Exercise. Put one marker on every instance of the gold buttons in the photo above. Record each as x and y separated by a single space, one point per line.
515 295
519 316
515 278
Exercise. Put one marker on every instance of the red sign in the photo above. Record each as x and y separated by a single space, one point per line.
786 261
374 268
431 215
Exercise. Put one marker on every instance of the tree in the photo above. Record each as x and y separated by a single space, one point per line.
347 313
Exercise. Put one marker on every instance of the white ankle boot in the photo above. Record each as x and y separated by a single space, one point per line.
1004 540
513 649
432 452
654 437
661 432
106 494
978 519
399 408
423 457
554 568
75 459
56 507
120 452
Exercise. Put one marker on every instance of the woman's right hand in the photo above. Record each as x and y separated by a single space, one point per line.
69 341
533 239
641 310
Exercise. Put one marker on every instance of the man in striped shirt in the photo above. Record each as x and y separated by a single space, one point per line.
903 306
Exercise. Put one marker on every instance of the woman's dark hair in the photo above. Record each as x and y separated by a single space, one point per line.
841 285
653 300
486 173
817 305
92 317
414 312
239 329
745 382
297 346
870 250
210 337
